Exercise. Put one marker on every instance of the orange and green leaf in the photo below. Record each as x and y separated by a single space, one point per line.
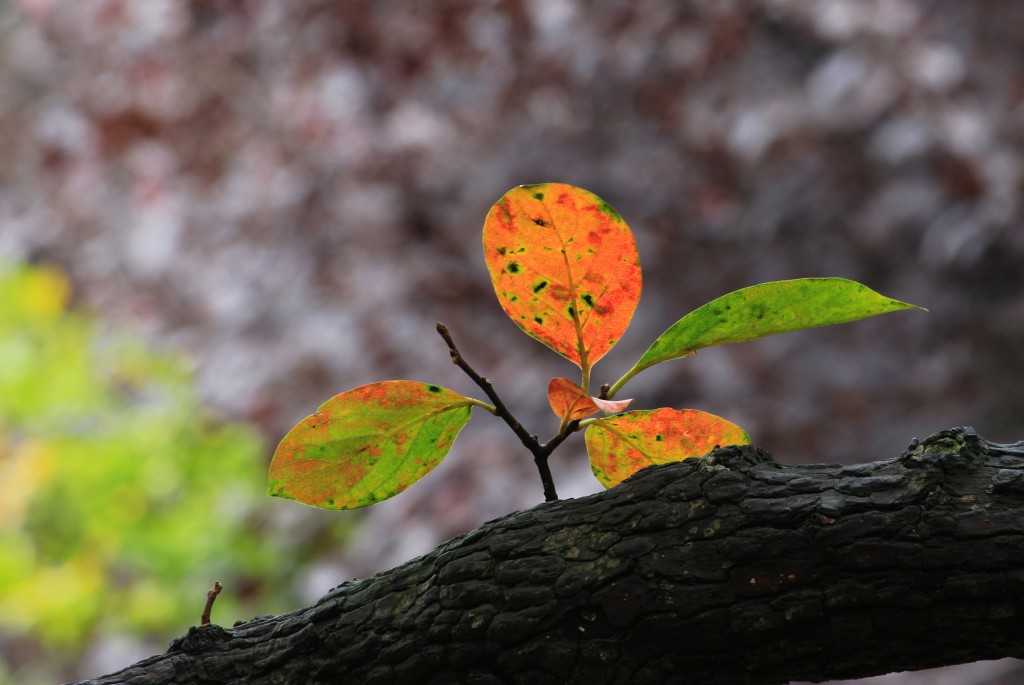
569 401
565 268
619 446
367 444
762 310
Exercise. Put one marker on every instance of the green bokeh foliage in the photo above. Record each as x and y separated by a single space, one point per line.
121 498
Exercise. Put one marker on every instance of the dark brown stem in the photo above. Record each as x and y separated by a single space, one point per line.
211 595
540 452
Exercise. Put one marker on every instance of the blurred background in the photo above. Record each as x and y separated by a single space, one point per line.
215 215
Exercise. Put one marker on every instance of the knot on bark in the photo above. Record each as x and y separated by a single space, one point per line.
199 639
737 457
951 450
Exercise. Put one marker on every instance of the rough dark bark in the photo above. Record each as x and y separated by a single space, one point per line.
725 569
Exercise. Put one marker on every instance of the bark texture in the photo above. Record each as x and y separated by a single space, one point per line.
726 569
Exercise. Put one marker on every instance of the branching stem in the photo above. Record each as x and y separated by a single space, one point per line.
540 451
614 387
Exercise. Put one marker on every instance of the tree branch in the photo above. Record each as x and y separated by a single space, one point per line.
541 452
730 568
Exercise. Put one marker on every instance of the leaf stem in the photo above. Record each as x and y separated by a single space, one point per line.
617 385
540 451
483 405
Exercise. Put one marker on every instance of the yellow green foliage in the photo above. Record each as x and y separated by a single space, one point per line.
121 498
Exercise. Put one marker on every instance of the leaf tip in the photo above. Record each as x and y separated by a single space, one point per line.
900 304
611 406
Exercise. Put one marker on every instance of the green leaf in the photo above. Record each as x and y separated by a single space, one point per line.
367 444
763 310
619 446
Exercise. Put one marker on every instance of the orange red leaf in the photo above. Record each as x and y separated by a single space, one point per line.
564 266
569 401
619 446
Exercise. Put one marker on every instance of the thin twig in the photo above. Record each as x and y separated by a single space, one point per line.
540 452
211 595
500 409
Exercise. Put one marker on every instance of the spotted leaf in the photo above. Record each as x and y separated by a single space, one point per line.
619 446
367 444
564 266
763 310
